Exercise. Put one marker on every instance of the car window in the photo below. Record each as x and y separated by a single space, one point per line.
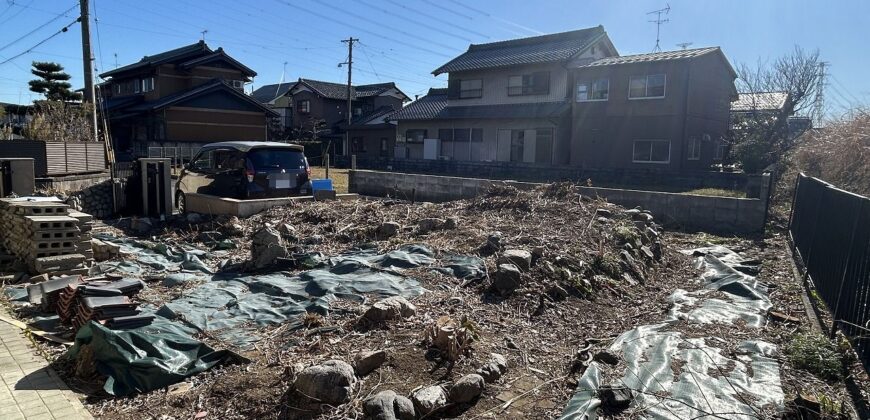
228 160
203 162
276 159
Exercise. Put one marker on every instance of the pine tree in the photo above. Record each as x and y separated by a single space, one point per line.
52 82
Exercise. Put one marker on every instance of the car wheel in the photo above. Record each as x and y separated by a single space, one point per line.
181 202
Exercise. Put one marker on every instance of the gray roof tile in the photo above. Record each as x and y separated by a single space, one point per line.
759 101
434 107
538 49
651 57
425 108
266 93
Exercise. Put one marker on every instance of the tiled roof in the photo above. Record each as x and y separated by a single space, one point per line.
220 54
168 100
651 57
538 49
339 90
376 116
267 93
425 108
165 56
434 107
759 101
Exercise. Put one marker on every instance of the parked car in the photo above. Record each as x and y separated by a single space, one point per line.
245 169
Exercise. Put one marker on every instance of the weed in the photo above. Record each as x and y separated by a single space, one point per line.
816 354
606 263
627 235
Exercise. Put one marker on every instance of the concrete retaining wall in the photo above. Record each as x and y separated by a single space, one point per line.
96 194
213 205
694 212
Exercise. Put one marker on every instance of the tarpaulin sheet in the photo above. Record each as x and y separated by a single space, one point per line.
153 257
146 358
674 376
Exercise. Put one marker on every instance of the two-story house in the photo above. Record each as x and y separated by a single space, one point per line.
308 104
665 111
570 99
505 101
181 98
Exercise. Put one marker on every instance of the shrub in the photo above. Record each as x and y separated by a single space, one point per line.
816 354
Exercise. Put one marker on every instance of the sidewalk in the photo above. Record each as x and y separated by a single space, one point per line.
29 388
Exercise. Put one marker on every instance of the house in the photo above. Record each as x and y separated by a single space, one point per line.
505 101
182 98
666 111
312 107
570 99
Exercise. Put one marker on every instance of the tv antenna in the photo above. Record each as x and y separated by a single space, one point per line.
684 45
659 21
203 32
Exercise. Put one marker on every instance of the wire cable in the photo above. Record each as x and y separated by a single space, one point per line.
437 19
60 31
16 40
423 24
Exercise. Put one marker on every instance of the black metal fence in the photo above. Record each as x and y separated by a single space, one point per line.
830 230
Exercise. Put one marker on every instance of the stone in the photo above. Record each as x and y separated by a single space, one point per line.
367 361
38 279
614 399
266 247
451 223
429 224
494 368
781 317
141 225
492 244
466 389
506 279
518 257
557 292
193 218
428 400
313 240
58 262
642 217
651 233
647 253
387 405
391 308
387 230
603 220
603 213
330 382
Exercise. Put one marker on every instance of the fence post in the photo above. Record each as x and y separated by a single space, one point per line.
836 313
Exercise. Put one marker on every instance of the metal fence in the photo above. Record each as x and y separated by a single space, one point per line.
830 231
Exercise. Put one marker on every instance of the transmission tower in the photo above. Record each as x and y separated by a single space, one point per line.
659 21
819 101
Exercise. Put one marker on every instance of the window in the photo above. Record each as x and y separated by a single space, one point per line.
203 162
694 151
357 145
517 143
415 136
721 148
593 91
652 151
477 135
651 86
116 87
537 83
238 84
228 160
147 84
470 88
304 106
461 135
137 86
385 145
445 134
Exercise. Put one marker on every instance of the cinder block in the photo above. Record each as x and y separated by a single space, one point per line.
58 262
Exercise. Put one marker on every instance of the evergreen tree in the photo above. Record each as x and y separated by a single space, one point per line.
52 82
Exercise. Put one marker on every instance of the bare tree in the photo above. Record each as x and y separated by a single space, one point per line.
759 137
59 121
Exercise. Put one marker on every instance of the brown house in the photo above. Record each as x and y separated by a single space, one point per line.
313 106
664 111
183 98
569 99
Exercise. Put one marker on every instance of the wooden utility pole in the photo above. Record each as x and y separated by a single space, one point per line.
349 41
88 62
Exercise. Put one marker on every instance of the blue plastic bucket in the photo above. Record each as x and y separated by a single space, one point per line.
321 184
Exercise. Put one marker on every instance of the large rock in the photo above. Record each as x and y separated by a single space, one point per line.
467 388
494 369
387 405
387 230
330 382
391 308
429 400
267 246
429 224
506 279
518 257
367 361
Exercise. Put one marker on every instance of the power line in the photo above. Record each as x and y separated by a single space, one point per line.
16 40
369 61
423 24
14 15
99 39
62 30
449 10
437 19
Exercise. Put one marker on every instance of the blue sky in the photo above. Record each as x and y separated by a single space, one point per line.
404 40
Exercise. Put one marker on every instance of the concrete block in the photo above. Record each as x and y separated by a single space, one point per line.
58 263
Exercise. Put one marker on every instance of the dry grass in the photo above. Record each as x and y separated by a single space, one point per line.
339 177
717 192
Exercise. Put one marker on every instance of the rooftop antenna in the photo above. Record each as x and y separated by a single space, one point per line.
684 45
659 21
116 60
203 32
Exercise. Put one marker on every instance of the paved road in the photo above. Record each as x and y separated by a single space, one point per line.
29 388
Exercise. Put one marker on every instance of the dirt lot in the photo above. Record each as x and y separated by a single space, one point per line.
578 292
338 176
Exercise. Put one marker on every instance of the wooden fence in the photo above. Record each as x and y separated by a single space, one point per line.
56 158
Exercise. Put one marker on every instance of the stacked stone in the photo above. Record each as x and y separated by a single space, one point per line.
45 236
98 199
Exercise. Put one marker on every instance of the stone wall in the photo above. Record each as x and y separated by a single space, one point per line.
96 194
692 212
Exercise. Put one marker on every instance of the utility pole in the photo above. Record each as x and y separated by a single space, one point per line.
88 62
659 21
349 41
819 101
